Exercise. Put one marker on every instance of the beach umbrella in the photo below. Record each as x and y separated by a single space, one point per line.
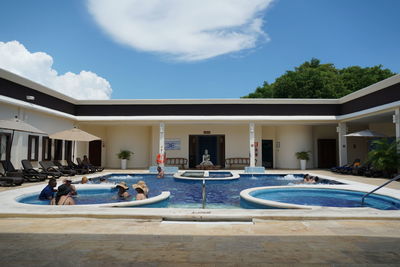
366 133
74 134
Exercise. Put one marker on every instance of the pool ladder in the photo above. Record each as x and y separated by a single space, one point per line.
379 187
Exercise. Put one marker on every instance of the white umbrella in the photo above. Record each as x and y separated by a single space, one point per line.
74 134
366 133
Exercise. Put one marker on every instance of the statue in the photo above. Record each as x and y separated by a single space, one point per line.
206 159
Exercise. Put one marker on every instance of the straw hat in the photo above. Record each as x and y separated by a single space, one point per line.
144 188
144 185
123 185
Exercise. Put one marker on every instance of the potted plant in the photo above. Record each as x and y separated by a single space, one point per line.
124 155
303 156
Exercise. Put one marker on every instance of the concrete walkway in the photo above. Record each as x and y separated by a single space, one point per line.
122 242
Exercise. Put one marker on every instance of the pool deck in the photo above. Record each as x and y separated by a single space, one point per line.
319 237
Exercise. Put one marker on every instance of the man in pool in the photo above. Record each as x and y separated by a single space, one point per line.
48 192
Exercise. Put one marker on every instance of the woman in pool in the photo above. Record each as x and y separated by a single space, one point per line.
145 188
123 190
64 195
140 190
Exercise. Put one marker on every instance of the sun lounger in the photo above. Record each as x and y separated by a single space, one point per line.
10 171
49 167
29 171
89 166
78 169
67 171
10 181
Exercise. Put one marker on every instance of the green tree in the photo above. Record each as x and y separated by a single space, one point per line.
315 80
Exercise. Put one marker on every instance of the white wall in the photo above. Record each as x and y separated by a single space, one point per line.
292 139
134 138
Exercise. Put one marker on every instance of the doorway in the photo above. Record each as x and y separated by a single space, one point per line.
95 152
326 153
267 154
215 144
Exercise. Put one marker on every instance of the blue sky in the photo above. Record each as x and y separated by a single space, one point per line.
154 60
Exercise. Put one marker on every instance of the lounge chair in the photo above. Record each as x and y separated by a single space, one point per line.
64 169
86 164
78 169
10 171
49 167
347 168
10 181
32 173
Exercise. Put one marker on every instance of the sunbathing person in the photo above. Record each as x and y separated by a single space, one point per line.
123 190
140 195
48 192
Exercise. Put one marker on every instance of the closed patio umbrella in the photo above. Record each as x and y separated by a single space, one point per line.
366 133
74 134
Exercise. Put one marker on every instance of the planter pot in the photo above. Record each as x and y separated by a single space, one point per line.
303 163
123 163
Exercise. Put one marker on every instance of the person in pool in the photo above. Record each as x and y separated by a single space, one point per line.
160 172
145 188
123 190
48 192
140 191
64 195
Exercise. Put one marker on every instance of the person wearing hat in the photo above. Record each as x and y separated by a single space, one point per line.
140 189
145 188
123 190
68 182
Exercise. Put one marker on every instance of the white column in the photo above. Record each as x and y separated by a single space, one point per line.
396 121
342 131
251 142
161 148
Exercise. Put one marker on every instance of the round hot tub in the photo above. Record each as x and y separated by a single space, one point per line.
298 197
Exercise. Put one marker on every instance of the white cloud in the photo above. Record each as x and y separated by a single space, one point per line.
37 67
187 30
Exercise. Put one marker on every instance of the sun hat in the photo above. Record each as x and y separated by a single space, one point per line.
144 185
144 188
67 180
123 185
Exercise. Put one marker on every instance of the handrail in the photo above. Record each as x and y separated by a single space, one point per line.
204 194
379 187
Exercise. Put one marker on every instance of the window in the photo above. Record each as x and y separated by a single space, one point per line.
58 149
33 147
5 146
68 150
46 148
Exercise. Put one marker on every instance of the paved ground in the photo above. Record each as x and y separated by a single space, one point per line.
126 242
122 242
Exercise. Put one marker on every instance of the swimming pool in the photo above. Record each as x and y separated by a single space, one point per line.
188 193
306 197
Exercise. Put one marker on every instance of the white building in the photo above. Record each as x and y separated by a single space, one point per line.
268 131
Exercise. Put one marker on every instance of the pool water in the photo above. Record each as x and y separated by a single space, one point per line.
184 193
327 197
219 194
